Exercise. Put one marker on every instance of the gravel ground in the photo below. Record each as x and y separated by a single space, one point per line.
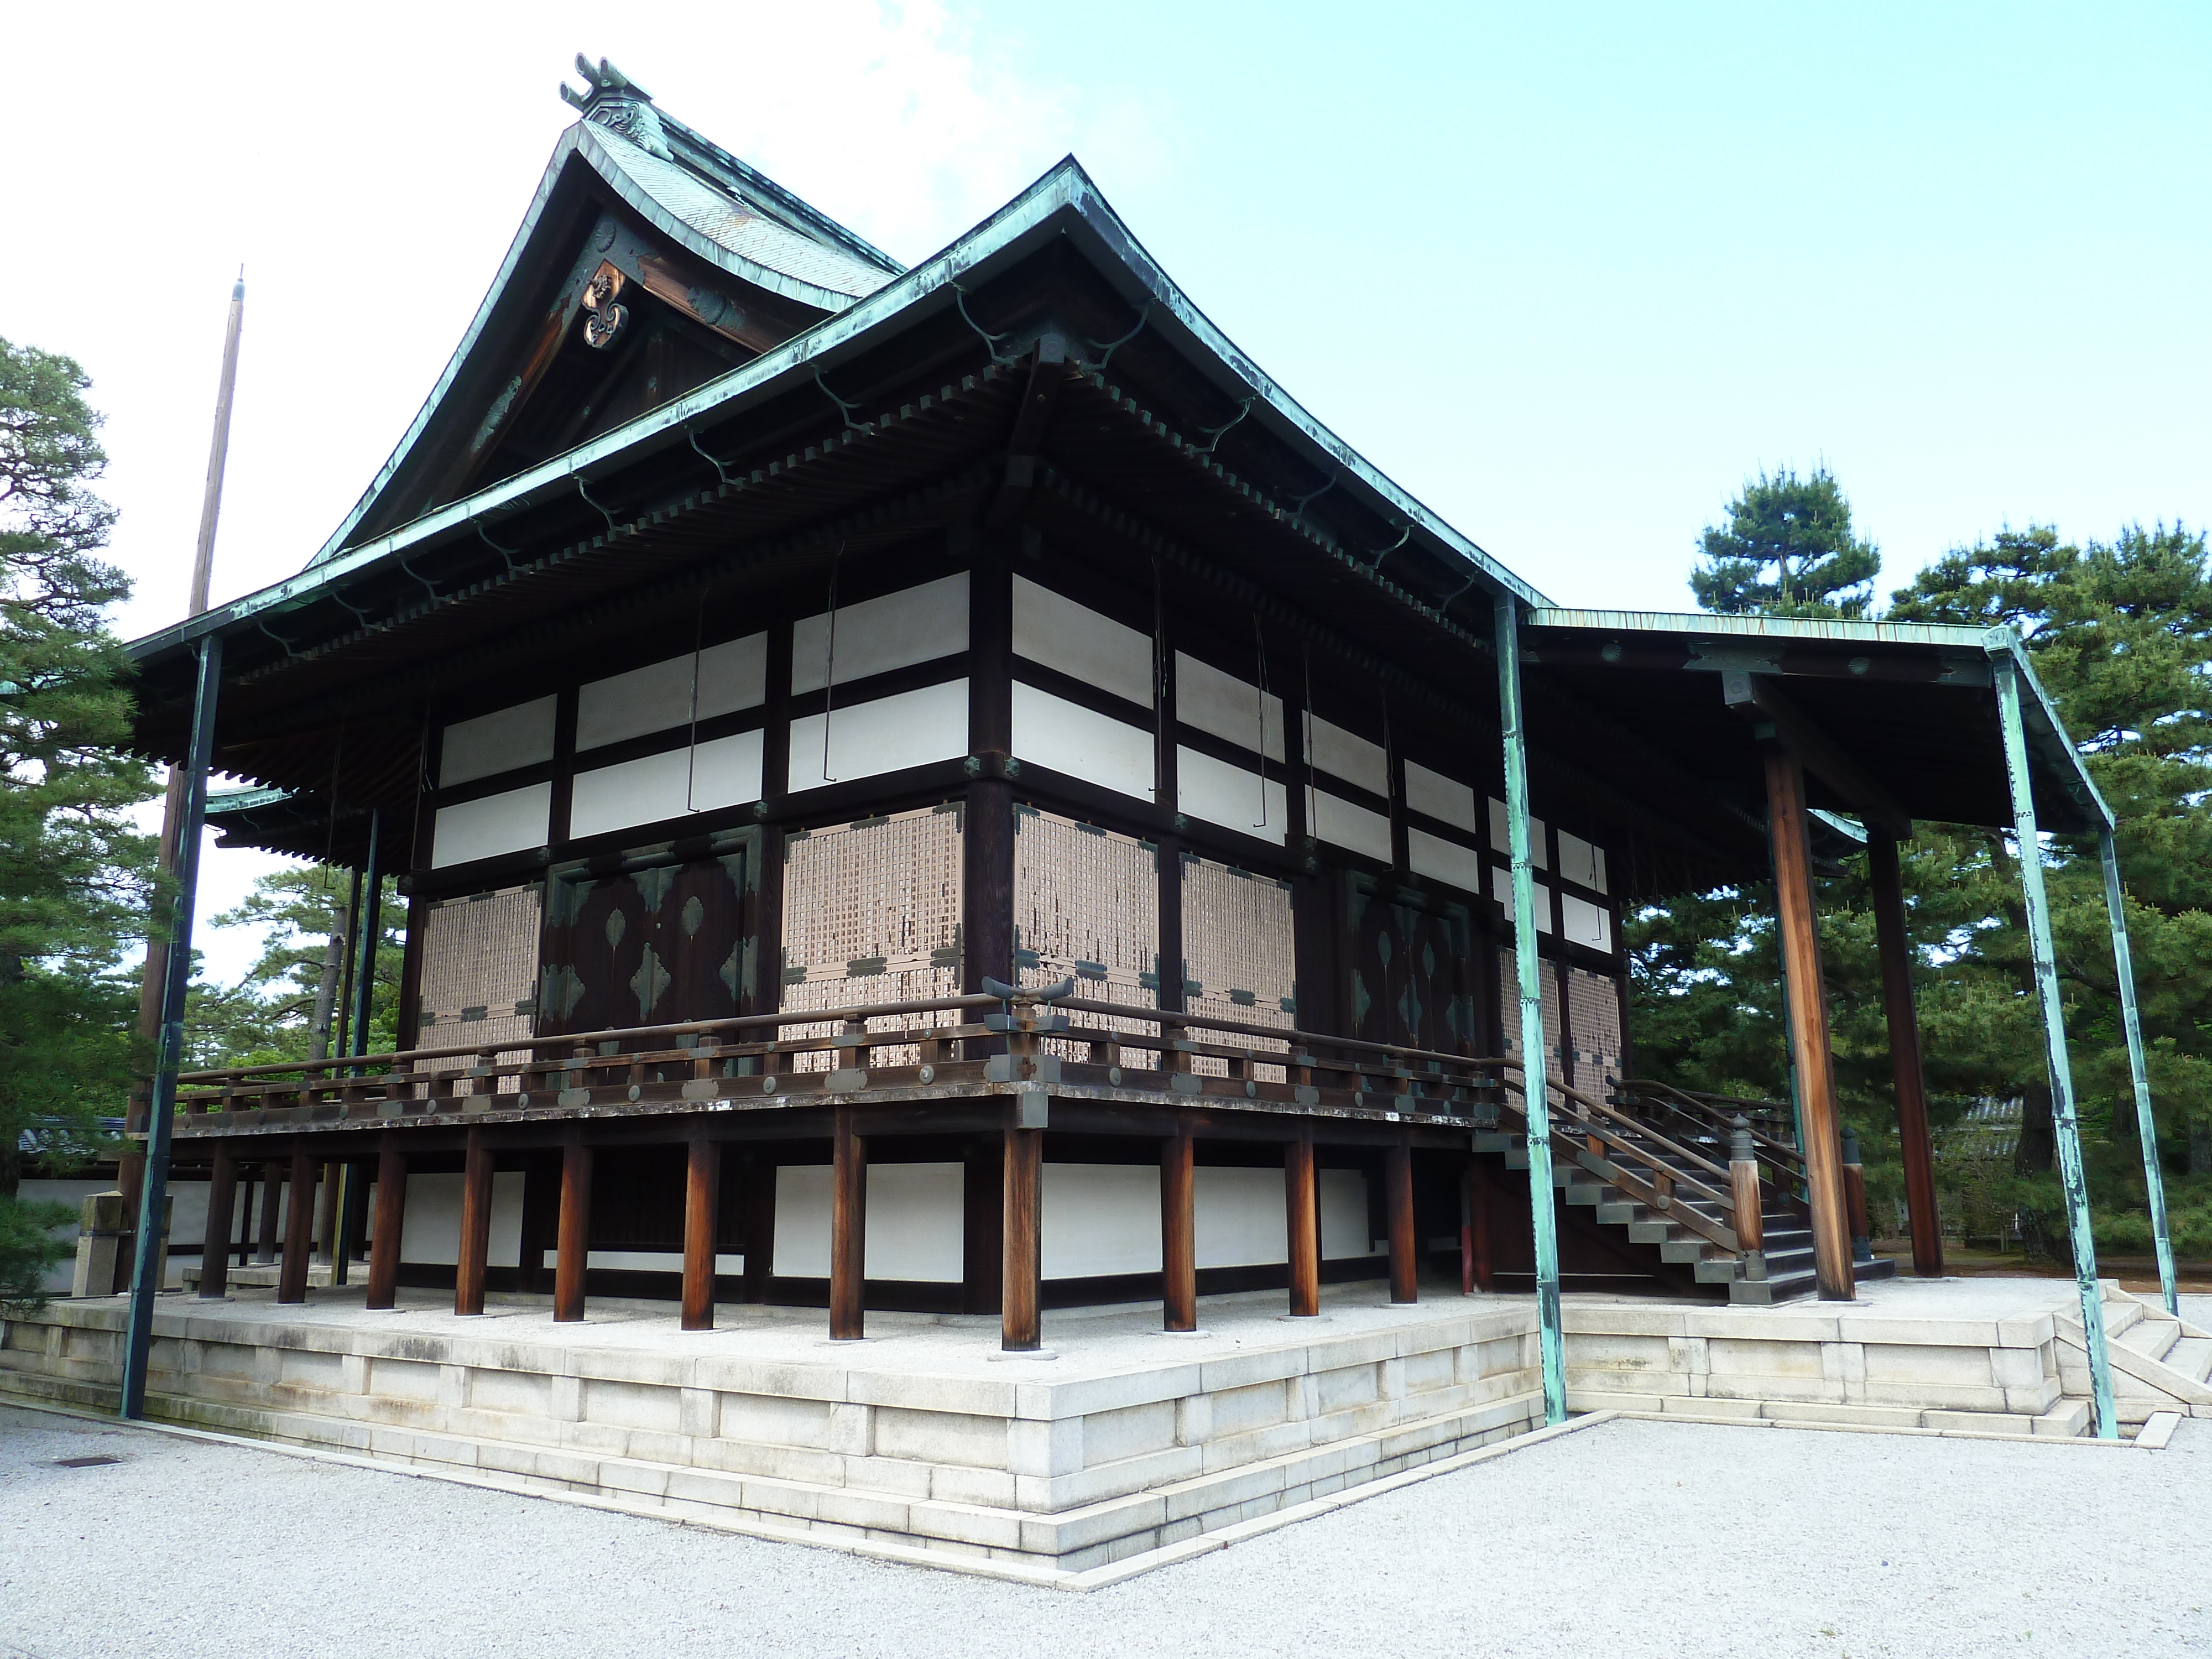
1625 1538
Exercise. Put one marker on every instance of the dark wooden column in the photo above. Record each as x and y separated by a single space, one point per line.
326 1214
299 1227
1808 1022
848 1229
1888 883
702 1191
1301 1202
987 830
214 1243
273 1200
1475 1270
1179 1232
476 1226
1398 1197
573 1249
757 1222
390 1222
1020 1325
982 1223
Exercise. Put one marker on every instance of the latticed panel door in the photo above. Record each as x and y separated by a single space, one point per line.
478 979
1594 1028
1239 960
1087 906
602 972
871 914
1509 1011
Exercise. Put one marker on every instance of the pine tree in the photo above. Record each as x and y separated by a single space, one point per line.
1787 550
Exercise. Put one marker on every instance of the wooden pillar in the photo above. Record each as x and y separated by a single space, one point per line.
572 1247
476 1226
1745 1189
390 1222
1179 1232
848 1229
299 1226
1304 1217
273 1200
1808 1022
982 1223
1020 1327
757 1223
214 1243
1476 1270
326 1214
1888 883
1398 1201
702 1191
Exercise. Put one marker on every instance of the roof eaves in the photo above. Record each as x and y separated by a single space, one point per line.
750 181
1837 630
2050 734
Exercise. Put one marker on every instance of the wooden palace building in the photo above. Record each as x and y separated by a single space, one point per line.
946 789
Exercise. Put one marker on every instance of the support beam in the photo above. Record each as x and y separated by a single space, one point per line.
702 1191
1398 1199
299 1227
2124 967
572 1250
1808 1023
1758 699
475 1226
2065 1129
1302 1216
1887 881
326 1213
272 1204
353 1220
169 1052
1021 1326
848 1229
1179 1232
1535 1086
391 1222
214 1243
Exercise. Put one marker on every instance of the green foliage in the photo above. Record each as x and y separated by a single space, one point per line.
1799 529
75 873
268 1015
28 1248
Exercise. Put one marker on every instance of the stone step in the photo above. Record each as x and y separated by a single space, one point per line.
2192 1356
1775 1287
2152 1336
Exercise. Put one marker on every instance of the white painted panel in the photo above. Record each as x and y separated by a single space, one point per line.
915 624
1344 1215
508 822
1228 708
1100 1219
1500 832
1341 823
667 786
1582 863
1585 923
1501 889
1241 1216
1082 743
1229 796
654 698
1051 629
1436 796
1443 861
431 1234
1346 755
497 742
652 1262
913 1230
910 729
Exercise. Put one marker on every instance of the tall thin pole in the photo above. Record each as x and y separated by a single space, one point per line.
2066 1129
154 1186
151 984
369 882
2145 1122
1885 877
1535 1084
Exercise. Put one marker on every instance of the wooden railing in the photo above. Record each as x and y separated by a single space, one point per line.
1715 1116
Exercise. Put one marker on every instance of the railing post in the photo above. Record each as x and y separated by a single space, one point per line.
2131 1020
1535 1085
2065 1129
1744 1187
1855 1197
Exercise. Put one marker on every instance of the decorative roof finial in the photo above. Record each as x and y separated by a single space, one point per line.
619 104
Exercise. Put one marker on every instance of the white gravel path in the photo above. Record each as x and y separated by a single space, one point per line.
1627 1539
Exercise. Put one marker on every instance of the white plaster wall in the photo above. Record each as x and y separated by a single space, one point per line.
728 773
1501 889
916 624
731 676
188 1219
1100 1219
1584 923
505 822
1054 629
1347 755
1243 1219
1580 861
1439 797
1446 861
431 1234
1343 825
913 1227
1228 708
910 729
1082 743
1229 796
1501 835
655 1261
497 742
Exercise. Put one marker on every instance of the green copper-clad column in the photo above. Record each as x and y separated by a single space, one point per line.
2146 1125
1534 1085
2066 1130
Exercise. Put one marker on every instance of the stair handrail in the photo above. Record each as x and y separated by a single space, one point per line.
1786 1162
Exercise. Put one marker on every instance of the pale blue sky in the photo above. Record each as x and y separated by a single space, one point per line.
1570 274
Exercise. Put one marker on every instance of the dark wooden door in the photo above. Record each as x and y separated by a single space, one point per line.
1412 975
654 946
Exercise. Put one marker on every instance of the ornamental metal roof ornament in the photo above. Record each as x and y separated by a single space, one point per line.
619 104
